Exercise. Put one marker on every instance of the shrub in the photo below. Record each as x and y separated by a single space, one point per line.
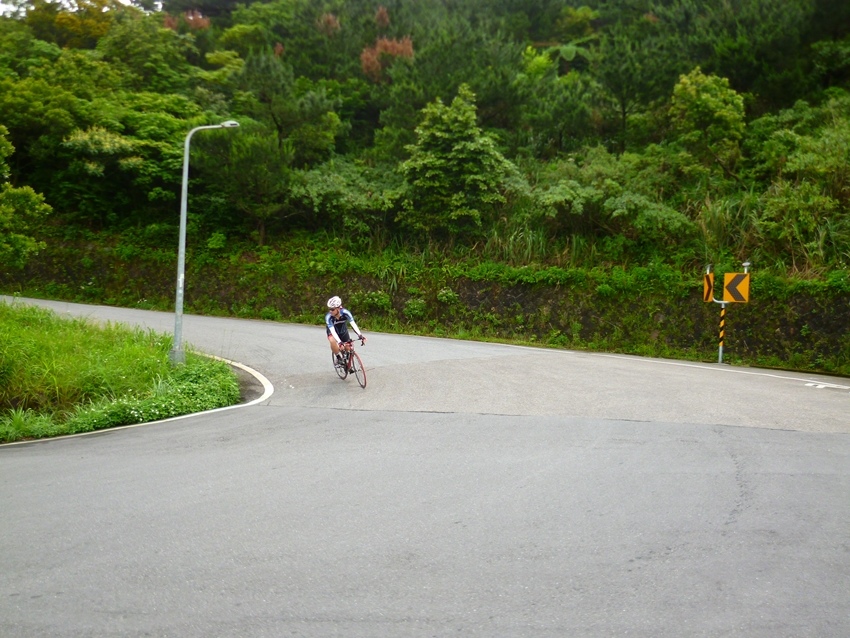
375 300
448 296
415 308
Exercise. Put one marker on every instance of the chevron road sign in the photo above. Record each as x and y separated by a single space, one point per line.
708 287
736 287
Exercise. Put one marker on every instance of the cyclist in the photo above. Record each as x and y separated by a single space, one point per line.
336 321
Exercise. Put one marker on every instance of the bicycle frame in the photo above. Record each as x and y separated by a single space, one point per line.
352 363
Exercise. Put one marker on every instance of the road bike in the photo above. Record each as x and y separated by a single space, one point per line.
350 363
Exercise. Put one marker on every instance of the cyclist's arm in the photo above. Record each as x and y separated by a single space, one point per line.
330 323
356 329
350 318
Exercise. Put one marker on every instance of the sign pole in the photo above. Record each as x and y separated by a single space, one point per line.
736 289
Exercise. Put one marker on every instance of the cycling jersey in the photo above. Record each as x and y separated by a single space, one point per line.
337 325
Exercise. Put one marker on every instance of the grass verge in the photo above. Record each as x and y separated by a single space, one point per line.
64 376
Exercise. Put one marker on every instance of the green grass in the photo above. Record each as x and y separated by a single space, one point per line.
62 376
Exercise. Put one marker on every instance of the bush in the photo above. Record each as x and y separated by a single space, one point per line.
415 308
448 296
375 300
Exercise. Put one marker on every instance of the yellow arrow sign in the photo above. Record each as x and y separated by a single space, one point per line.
708 287
736 287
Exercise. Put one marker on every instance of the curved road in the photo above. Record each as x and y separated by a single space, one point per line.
472 489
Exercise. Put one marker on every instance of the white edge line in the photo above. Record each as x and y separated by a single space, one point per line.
754 373
268 390
667 362
650 360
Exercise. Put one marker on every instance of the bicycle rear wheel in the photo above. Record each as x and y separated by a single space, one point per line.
358 369
341 371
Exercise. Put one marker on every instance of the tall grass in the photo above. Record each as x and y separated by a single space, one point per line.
60 376
518 246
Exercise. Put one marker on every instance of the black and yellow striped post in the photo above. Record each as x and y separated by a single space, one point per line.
736 288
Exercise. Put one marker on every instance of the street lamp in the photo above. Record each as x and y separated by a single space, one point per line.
177 355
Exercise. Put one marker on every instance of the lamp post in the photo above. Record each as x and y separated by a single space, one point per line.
177 355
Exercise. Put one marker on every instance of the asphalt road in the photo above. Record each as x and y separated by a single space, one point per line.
470 490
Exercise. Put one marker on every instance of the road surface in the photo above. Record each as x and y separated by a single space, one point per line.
471 489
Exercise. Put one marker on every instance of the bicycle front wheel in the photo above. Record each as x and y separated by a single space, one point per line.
358 369
340 369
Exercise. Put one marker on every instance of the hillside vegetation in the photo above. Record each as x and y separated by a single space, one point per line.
610 140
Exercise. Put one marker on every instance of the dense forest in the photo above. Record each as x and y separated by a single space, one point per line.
587 133
545 172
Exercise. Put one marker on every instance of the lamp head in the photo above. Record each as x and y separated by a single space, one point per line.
230 124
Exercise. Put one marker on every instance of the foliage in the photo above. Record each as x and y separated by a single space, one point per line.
301 112
637 63
709 117
801 224
20 211
349 197
615 133
654 309
455 173
253 174
560 106
150 56
60 376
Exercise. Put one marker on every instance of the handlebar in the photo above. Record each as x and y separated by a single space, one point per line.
347 345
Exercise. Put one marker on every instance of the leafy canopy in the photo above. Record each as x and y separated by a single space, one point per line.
20 211
455 174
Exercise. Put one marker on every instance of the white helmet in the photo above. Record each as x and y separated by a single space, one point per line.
334 302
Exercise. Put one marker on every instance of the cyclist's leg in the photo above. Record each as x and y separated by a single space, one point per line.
347 346
332 341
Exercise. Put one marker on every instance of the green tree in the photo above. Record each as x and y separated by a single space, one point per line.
612 203
800 227
759 45
81 74
801 159
455 176
349 196
637 63
446 55
21 51
20 211
253 172
126 169
322 41
151 57
211 8
709 118
300 111
558 108
38 116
